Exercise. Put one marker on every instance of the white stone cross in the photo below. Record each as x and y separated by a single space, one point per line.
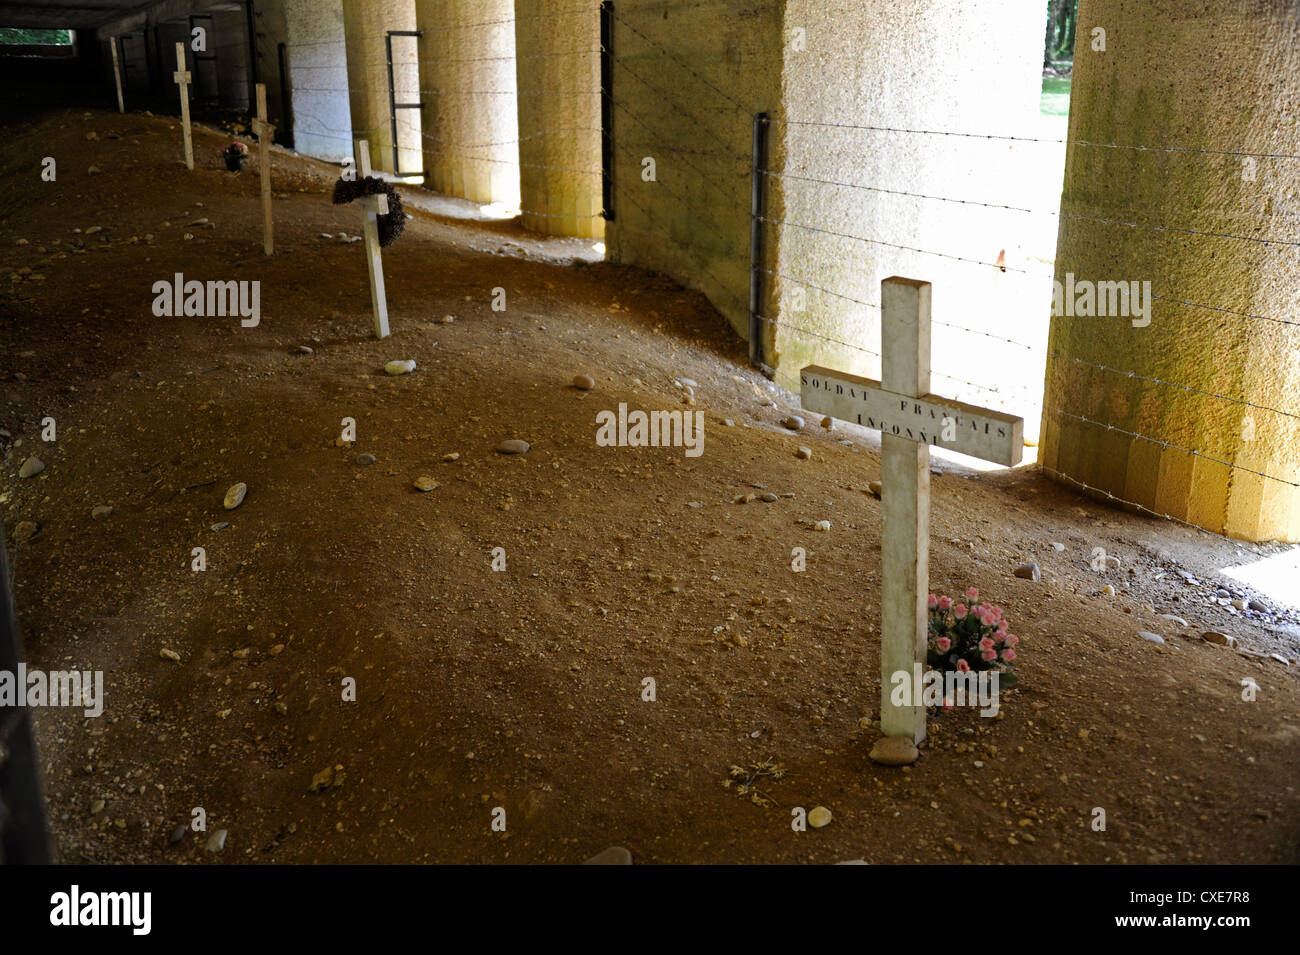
910 419
265 132
372 208
182 79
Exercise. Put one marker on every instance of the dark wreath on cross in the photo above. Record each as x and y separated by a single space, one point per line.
390 224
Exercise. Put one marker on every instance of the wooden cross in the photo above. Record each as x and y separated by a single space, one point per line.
910 419
372 208
265 132
117 72
182 79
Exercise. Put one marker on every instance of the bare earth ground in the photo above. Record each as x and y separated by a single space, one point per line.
522 689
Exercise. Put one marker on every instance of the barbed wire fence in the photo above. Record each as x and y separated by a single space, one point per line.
728 156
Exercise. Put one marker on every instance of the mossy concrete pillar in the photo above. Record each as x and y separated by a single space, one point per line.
1193 415
688 79
366 24
467 72
558 69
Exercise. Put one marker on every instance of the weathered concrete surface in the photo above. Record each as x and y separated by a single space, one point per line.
688 81
1222 77
467 70
229 41
318 78
366 24
942 66
558 72
316 54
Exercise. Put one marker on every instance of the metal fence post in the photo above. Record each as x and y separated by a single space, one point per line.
607 109
757 212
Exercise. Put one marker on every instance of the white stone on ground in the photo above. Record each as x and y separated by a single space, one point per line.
400 367
235 496
1029 571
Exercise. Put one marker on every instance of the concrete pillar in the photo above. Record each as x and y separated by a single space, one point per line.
318 113
913 70
366 23
1215 79
689 78
467 70
558 73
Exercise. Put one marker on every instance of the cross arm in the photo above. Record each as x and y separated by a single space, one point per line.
928 419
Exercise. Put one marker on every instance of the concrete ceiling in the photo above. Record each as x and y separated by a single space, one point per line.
76 14
92 14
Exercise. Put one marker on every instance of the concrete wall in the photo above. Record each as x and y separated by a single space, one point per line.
470 124
269 24
366 23
688 81
1223 77
926 65
229 41
558 72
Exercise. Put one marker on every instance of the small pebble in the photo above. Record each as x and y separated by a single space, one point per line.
823 526
25 531
1151 637
769 497
819 818
793 422
451 456
101 511
169 655
583 382
425 484
1029 571
514 446
217 841
366 459
400 367
894 751
1057 546
876 488
804 453
306 350
31 467
614 855
235 496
